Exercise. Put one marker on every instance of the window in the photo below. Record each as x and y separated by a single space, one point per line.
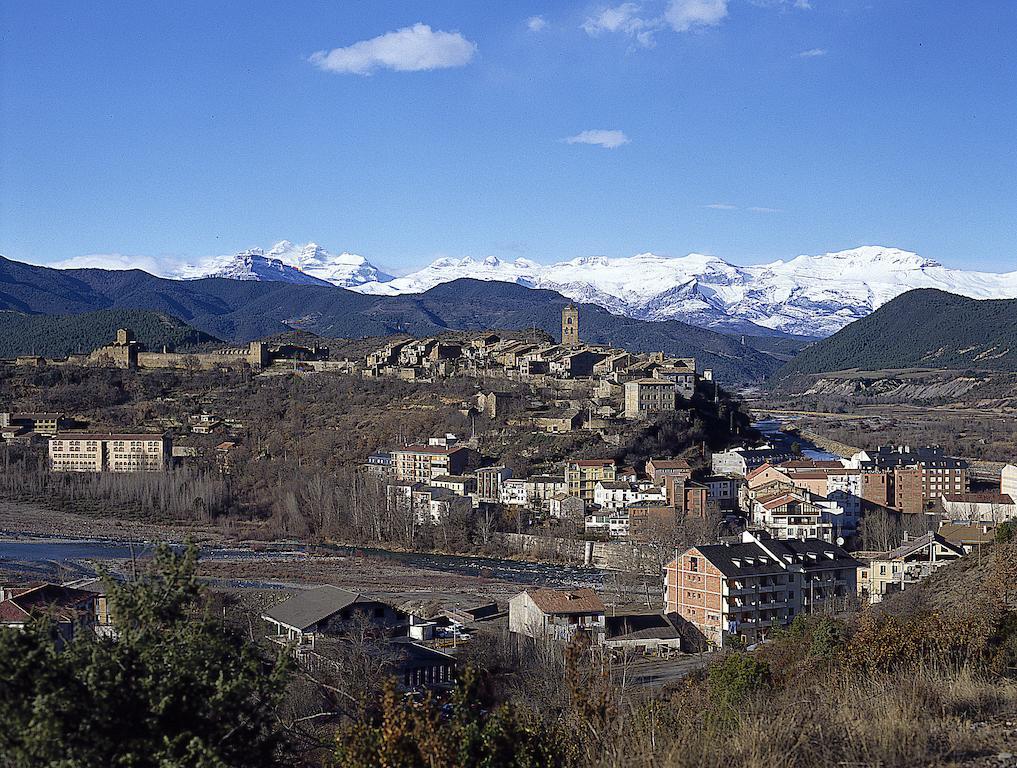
693 563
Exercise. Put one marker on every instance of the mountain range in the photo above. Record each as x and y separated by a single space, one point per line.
238 311
807 295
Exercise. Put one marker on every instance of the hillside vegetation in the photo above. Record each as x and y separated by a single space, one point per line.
60 335
925 328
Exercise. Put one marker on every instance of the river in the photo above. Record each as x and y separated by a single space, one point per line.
771 430
41 556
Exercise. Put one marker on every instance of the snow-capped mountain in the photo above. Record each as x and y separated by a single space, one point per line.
807 295
290 263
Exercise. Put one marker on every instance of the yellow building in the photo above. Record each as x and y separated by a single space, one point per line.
581 477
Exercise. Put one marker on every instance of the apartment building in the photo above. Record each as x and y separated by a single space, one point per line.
581 477
46 424
102 452
649 396
421 463
747 587
611 500
916 476
489 482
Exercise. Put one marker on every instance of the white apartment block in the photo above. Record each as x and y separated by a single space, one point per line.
97 452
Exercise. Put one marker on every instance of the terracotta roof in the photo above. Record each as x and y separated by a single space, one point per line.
759 470
553 601
593 462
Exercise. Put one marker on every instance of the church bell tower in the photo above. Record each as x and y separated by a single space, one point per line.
570 325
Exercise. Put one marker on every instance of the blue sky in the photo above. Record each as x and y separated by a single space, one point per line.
748 129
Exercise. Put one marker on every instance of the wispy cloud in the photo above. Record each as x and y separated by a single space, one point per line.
600 138
686 15
733 207
624 19
643 21
812 53
410 49
536 23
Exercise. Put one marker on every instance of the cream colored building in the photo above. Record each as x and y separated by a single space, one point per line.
101 452
644 397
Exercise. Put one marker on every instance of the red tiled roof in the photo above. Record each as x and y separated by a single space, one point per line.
759 470
594 462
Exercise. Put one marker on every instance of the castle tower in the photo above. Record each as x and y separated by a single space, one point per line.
570 325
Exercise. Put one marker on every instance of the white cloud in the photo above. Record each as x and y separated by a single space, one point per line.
721 206
812 53
600 138
162 267
685 15
536 23
620 18
764 209
410 49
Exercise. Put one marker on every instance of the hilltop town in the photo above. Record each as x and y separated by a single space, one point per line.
689 532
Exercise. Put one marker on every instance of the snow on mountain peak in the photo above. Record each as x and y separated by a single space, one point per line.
812 295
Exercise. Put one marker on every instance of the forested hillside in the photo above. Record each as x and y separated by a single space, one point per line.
926 328
60 335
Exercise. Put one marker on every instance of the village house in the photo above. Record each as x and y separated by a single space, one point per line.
540 489
796 514
461 485
658 470
557 615
722 491
741 461
745 588
968 536
45 424
69 610
609 513
325 611
882 573
514 493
